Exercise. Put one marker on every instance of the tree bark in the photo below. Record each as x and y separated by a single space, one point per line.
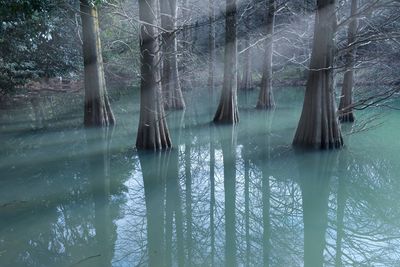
318 126
227 111
97 105
173 98
153 133
211 46
247 82
266 97
346 98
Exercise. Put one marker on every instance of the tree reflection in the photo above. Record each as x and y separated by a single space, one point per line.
99 178
257 209
314 183
228 145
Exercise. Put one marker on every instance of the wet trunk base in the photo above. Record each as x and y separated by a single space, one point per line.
98 114
347 117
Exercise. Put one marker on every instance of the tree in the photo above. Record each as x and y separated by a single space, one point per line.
97 105
170 78
247 81
266 97
346 98
211 45
318 126
37 40
153 133
227 111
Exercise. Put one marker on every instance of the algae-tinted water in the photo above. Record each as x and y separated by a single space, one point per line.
223 196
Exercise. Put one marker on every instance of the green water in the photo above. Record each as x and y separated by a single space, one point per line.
224 196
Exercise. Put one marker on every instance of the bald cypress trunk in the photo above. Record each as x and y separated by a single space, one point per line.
318 126
346 98
153 131
227 111
97 105
246 82
211 46
266 97
173 97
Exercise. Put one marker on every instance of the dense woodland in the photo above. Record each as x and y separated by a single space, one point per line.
344 52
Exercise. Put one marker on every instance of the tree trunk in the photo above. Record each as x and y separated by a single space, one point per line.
153 131
211 47
318 126
97 105
173 97
346 98
227 111
266 97
246 82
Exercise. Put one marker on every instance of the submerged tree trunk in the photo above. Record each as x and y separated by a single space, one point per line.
97 105
266 97
173 97
318 126
227 111
346 98
153 131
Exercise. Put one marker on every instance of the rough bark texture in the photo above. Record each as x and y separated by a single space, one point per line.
266 97
97 105
227 111
173 98
346 98
318 126
153 132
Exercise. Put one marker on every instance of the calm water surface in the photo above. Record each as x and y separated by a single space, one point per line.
224 196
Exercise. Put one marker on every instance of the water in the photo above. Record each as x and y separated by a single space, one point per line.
223 196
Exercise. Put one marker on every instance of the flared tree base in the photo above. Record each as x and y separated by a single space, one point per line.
303 143
347 118
266 106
